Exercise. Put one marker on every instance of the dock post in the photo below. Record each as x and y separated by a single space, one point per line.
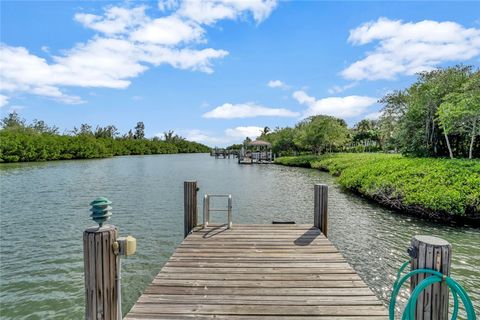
429 252
101 265
190 206
320 219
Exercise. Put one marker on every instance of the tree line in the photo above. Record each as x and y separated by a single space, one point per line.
37 141
437 116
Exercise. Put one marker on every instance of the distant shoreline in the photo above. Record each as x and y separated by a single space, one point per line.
26 145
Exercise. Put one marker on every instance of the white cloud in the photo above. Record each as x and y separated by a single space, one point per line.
99 63
343 107
303 98
168 31
3 100
338 89
408 48
197 60
228 137
129 42
115 19
55 93
203 137
277 84
210 11
242 132
247 110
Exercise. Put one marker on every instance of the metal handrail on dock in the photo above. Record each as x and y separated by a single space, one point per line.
255 271
207 209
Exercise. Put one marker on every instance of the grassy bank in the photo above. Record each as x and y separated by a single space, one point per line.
437 188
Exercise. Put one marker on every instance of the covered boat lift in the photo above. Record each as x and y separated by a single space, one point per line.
257 151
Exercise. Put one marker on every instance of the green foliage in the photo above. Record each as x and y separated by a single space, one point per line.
139 131
39 142
235 146
282 141
321 133
299 161
12 120
459 112
366 137
438 188
437 116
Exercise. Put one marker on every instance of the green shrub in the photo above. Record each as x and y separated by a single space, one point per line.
432 187
299 161
25 144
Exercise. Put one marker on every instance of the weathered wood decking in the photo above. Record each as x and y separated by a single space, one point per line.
257 272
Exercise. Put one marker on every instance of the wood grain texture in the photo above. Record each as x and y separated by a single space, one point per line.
257 272
100 264
190 206
432 253
320 208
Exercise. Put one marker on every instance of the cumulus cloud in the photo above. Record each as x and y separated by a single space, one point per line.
408 48
343 107
128 42
197 60
242 132
205 137
114 20
210 11
338 89
168 31
277 84
247 110
229 136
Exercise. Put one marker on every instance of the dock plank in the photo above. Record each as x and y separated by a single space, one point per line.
257 272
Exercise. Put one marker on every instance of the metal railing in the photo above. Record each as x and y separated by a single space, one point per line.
207 209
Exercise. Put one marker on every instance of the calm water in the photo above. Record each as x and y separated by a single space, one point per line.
44 210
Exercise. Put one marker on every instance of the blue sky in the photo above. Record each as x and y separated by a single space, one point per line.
215 71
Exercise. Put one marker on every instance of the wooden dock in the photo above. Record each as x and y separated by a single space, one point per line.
257 271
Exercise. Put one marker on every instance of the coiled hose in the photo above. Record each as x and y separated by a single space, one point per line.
409 312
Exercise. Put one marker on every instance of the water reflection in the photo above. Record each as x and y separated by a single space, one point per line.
44 210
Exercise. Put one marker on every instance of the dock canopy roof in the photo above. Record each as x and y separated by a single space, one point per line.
260 143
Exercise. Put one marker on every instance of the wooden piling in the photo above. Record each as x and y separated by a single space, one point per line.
431 253
190 206
320 219
100 264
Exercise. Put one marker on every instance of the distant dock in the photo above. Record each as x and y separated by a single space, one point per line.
223 153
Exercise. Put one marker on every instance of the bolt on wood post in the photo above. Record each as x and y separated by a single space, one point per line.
190 206
100 264
320 218
431 253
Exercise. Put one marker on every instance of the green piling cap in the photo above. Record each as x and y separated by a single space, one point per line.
101 210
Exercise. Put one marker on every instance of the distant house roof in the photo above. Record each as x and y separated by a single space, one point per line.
260 143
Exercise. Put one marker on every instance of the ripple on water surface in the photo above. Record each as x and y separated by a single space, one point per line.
44 210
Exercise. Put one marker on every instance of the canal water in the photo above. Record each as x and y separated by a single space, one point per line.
45 208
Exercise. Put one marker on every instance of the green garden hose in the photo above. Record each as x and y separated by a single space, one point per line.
409 312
